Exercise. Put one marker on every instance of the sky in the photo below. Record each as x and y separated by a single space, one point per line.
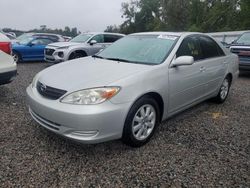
86 15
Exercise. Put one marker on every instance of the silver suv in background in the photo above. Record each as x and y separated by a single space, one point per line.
85 44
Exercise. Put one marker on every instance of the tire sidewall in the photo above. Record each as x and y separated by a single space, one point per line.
77 55
128 136
219 99
18 56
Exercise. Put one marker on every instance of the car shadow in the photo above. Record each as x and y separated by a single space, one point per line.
244 74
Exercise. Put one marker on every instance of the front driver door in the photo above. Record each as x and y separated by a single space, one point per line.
186 82
37 47
95 48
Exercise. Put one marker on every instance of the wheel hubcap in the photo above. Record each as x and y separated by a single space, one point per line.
144 122
224 89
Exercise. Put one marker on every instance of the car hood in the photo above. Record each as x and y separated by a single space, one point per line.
88 72
63 44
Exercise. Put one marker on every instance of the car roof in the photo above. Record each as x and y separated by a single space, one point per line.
96 33
48 34
179 34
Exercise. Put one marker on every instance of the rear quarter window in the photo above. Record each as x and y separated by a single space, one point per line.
111 38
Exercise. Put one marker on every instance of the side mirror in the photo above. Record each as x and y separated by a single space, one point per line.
233 41
30 44
92 42
183 60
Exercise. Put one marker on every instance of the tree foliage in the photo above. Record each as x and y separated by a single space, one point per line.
180 15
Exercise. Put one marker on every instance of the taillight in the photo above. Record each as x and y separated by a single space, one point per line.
6 47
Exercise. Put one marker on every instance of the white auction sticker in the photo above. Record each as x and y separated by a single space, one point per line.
168 37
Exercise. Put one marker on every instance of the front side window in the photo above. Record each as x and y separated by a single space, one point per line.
98 38
190 47
140 49
42 41
210 48
26 40
81 38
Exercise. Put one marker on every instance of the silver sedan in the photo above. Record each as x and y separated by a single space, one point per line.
125 91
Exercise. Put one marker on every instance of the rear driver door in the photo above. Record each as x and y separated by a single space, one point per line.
216 64
187 83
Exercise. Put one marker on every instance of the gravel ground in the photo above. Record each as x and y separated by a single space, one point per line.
207 145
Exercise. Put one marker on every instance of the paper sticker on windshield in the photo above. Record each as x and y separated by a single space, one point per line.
167 37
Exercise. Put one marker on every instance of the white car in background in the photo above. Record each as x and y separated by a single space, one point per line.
85 44
8 69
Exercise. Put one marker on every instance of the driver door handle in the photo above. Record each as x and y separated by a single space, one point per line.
202 69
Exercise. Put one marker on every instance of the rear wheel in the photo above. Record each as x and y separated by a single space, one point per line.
224 90
141 122
16 57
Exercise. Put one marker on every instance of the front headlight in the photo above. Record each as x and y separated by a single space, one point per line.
63 48
91 96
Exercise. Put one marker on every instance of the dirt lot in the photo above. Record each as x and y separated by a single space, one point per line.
207 145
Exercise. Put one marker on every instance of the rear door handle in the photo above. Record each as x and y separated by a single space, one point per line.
225 62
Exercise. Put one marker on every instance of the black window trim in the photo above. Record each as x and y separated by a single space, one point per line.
218 46
199 35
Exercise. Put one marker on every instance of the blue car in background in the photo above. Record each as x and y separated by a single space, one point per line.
30 48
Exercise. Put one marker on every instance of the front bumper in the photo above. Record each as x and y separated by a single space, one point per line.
244 63
52 59
7 77
55 57
82 123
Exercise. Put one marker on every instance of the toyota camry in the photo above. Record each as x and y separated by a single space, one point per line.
128 89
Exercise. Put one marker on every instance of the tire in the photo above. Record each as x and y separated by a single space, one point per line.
139 128
76 55
224 91
16 57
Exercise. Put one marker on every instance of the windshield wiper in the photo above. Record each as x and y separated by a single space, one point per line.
119 60
97 56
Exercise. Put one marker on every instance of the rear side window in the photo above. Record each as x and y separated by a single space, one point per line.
190 47
111 38
210 48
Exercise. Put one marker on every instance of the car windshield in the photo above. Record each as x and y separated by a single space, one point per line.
140 49
244 39
81 38
26 40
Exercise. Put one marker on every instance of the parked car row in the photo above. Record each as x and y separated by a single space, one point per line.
125 89
83 45
53 48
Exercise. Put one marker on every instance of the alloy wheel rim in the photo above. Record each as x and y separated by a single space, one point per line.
144 122
224 89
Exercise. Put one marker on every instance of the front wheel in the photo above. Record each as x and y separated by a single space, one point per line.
141 122
224 91
76 55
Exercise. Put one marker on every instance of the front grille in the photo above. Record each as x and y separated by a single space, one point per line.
49 92
239 50
49 51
